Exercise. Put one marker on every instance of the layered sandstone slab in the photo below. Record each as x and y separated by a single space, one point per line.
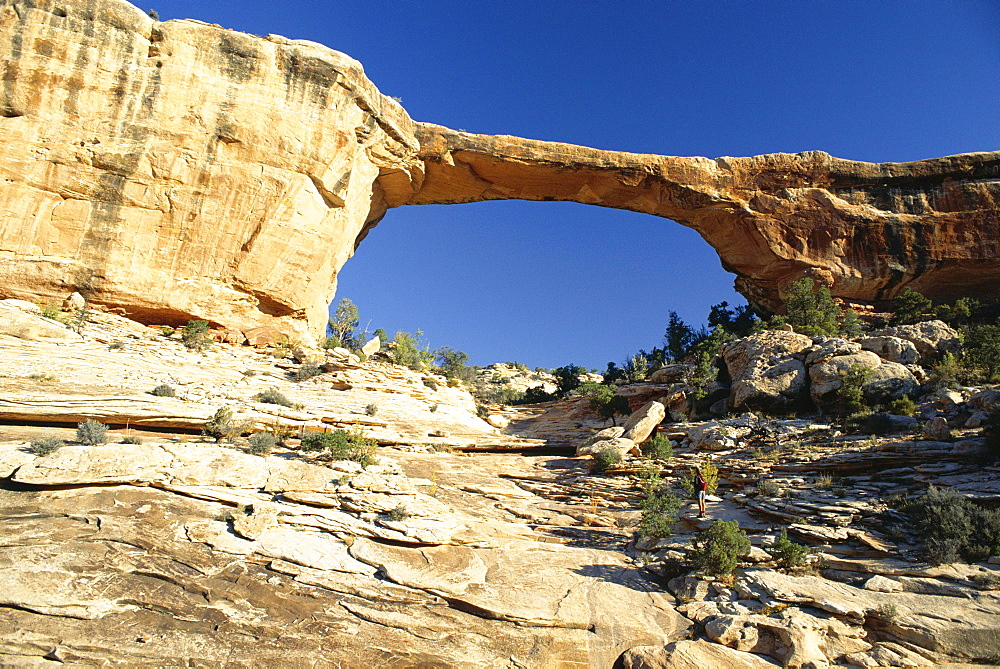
867 230
178 170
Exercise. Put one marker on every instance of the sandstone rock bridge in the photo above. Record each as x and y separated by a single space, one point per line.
179 170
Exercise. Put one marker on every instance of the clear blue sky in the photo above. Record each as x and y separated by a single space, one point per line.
554 283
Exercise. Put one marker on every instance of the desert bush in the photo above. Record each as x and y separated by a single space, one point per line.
195 335
711 474
45 446
787 553
953 527
768 488
910 307
91 432
433 408
904 406
371 409
343 445
607 403
132 439
568 378
167 331
262 443
658 448
811 310
604 460
307 370
851 392
163 390
533 395
982 350
430 383
398 514
410 351
659 513
222 426
717 549
50 310
273 396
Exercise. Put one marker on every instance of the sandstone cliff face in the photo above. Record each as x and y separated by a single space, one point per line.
178 170
866 230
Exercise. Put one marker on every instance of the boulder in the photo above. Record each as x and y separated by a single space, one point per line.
677 373
260 337
305 355
831 348
930 338
30 324
253 526
889 381
601 435
766 369
985 401
692 655
642 423
373 345
892 349
937 429
620 445
713 436
74 302
827 377
498 421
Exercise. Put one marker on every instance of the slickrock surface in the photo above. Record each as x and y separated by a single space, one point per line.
178 170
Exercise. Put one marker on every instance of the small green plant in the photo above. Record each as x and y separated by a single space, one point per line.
605 460
196 336
91 432
116 345
343 445
658 448
718 548
851 392
987 580
787 553
273 396
261 443
132 439
887 611
659 512
167 331
433 408
430 383
711 474
163 390
823 480
44 378
904 406
371 409
398 514
768 488
307 370
41 447
249 372
222 426
50 310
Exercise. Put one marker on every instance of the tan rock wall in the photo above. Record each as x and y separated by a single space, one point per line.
179 170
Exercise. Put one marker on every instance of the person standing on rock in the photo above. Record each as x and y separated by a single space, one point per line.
701 485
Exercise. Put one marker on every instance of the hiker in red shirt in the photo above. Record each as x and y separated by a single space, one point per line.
701 485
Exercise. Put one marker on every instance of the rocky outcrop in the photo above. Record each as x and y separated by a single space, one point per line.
178 170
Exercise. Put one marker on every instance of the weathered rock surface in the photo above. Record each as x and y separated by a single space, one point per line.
641 424
767 369
196 172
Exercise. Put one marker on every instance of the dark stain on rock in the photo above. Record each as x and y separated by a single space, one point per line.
240 56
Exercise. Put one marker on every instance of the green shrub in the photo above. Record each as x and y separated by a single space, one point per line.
568 378
307 370
371 409
116 345
953 527
343 445
768 488
410 351
658 448
718 548
196 336
132 439
982 350
659 512
787 553
91 432
45 446
607 403
50 310
604 460
910 307
430 383
433 407
222 426
398 514
273 396
711 474
167 331
262 443
851 392
904 406
163 390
